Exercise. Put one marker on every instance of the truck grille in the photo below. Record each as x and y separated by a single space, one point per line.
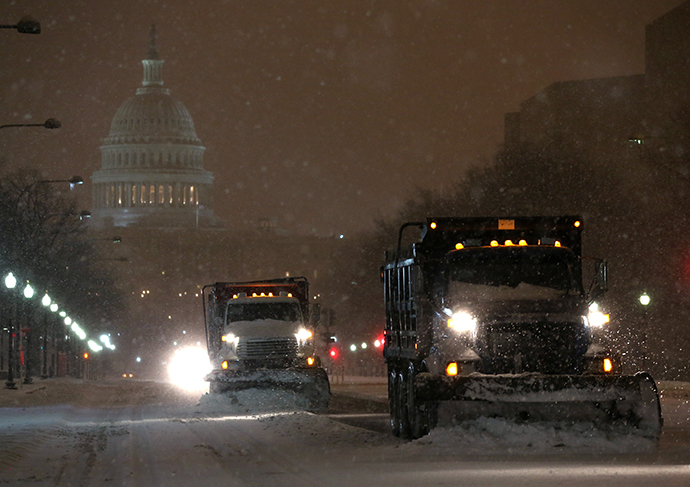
271 348
550 348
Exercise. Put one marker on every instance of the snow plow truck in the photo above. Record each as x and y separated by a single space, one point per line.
488 317
259 336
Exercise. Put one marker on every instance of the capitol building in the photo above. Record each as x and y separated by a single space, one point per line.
152 162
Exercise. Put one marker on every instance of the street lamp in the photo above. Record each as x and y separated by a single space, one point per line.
644 301
26 25
47 303
11 284
28 294
51 123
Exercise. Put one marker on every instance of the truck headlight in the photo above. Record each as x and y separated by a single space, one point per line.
303 335
230 339
462 321
597 319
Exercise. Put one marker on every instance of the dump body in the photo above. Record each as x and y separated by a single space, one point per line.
499 305
259 336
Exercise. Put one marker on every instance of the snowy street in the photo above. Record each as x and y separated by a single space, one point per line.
167 440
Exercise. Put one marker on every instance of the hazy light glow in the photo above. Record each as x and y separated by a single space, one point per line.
187 369
94 346
46 300
597 319
10 281
78 331
28 292
463 321
53 307
645 299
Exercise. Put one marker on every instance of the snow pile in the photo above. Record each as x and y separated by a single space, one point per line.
492 436
253 401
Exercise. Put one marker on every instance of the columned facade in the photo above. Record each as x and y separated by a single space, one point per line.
152 162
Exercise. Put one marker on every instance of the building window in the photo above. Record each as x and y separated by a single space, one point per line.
152 194
161 195
119 195
143 194
170 194
134 195
192 194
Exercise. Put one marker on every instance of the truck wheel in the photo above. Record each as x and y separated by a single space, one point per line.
418 414
393 402
402 386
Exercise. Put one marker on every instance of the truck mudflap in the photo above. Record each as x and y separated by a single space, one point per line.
310 383
629 404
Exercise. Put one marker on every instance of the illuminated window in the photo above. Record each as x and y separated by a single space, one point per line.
152 194
191 194
134 195
142 198
119 195
184 195
170 194
161 195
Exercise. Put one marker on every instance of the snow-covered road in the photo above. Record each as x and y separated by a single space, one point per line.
212 443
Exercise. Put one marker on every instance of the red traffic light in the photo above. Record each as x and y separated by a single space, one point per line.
333 353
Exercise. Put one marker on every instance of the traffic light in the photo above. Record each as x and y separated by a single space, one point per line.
333 353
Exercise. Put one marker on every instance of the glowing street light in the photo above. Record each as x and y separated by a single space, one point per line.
46 300
10 281
28 291
645 299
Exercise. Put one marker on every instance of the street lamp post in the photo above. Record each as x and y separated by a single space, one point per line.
26 25
644 301
28 355
11 284
46 302
51 123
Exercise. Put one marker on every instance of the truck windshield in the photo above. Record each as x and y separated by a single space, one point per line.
262 310
512 273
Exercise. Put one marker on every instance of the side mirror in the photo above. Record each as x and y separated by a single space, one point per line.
600 283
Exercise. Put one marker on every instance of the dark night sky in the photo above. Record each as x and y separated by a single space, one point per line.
325 114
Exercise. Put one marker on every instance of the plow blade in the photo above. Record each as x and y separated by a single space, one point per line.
629 404
309 383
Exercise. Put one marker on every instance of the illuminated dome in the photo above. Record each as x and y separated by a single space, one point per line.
152 162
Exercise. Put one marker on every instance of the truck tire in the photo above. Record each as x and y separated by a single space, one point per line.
402 387
418 413
393 402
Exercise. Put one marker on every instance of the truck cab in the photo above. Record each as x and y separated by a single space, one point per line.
263 331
